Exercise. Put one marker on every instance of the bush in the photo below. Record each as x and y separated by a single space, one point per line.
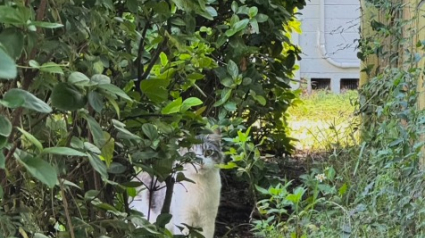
93 91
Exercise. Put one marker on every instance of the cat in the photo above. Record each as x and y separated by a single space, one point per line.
195 204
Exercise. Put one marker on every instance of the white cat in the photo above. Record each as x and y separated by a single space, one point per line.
195 204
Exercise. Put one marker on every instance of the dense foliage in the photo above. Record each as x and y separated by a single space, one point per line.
93 91
374 188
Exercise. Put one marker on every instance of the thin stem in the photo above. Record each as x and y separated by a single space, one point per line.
65 206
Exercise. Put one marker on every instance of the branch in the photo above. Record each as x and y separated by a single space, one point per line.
169 182
155 58
140 57
160 49
146 115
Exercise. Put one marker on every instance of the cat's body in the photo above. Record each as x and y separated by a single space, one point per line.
195 204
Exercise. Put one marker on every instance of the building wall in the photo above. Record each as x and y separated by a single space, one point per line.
330 30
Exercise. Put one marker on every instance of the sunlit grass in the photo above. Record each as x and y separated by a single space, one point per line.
324 120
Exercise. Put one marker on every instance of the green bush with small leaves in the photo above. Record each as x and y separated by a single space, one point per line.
92 92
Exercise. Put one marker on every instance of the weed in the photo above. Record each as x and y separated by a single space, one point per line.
324 121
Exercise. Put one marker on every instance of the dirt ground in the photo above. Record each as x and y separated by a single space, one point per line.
233 220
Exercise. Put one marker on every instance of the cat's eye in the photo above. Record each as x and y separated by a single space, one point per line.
209 152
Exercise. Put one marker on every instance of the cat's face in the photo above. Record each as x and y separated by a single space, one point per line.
208 154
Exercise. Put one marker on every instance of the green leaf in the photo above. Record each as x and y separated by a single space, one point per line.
67 97
14 40
330 173
246 81
100 79
178 22
108 149
254 26
114 104
241 25
253 12
7 66
343 189
190 102
34 64
234 6
155 89
78 78
116 168
98 67
121 127
150 131
51 67
2 160
211 11
163 219
96 101
16 97
115 90
296 196
10 15
260 99
243 10
31 138
164 59
225 95
238 26
41 170
99 166
233 69
39 235
5 126
195 76
49 25
205 62
103 206
261 17
64 151
3 141
230 106
228 82
172 107
229 165
96 131
262 190
91 194
92 148
70 184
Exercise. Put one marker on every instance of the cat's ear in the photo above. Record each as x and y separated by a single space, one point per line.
217 132
215 136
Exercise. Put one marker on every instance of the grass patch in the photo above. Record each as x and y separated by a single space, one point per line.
324 120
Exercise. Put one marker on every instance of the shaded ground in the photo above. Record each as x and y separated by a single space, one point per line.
233 218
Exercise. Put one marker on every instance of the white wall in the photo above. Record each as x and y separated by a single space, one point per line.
330 29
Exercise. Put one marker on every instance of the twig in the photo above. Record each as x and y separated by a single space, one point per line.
160 49
145 115
151 190
65 206
139 60
155 57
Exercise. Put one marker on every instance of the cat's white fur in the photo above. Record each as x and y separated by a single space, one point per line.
195 204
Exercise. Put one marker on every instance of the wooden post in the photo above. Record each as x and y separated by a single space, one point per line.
413 13
420 36
367 14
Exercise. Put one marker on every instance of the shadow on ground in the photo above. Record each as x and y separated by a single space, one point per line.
235 207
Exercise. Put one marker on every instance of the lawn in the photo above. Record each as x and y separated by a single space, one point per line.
324 120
